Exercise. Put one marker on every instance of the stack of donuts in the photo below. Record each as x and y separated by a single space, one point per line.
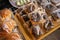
7 24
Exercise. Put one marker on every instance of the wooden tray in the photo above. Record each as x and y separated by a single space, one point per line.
28 34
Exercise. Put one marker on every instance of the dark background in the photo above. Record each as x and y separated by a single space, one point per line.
6 4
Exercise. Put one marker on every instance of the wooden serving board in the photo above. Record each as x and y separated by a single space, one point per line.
27 32
56 26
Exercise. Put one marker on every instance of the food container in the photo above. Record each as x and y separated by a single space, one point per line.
20 3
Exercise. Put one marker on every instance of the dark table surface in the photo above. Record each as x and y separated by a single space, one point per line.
54 36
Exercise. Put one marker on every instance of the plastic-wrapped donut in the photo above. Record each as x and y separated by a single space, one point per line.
8 25
5 14
14 36
35 17
36 30
48 25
